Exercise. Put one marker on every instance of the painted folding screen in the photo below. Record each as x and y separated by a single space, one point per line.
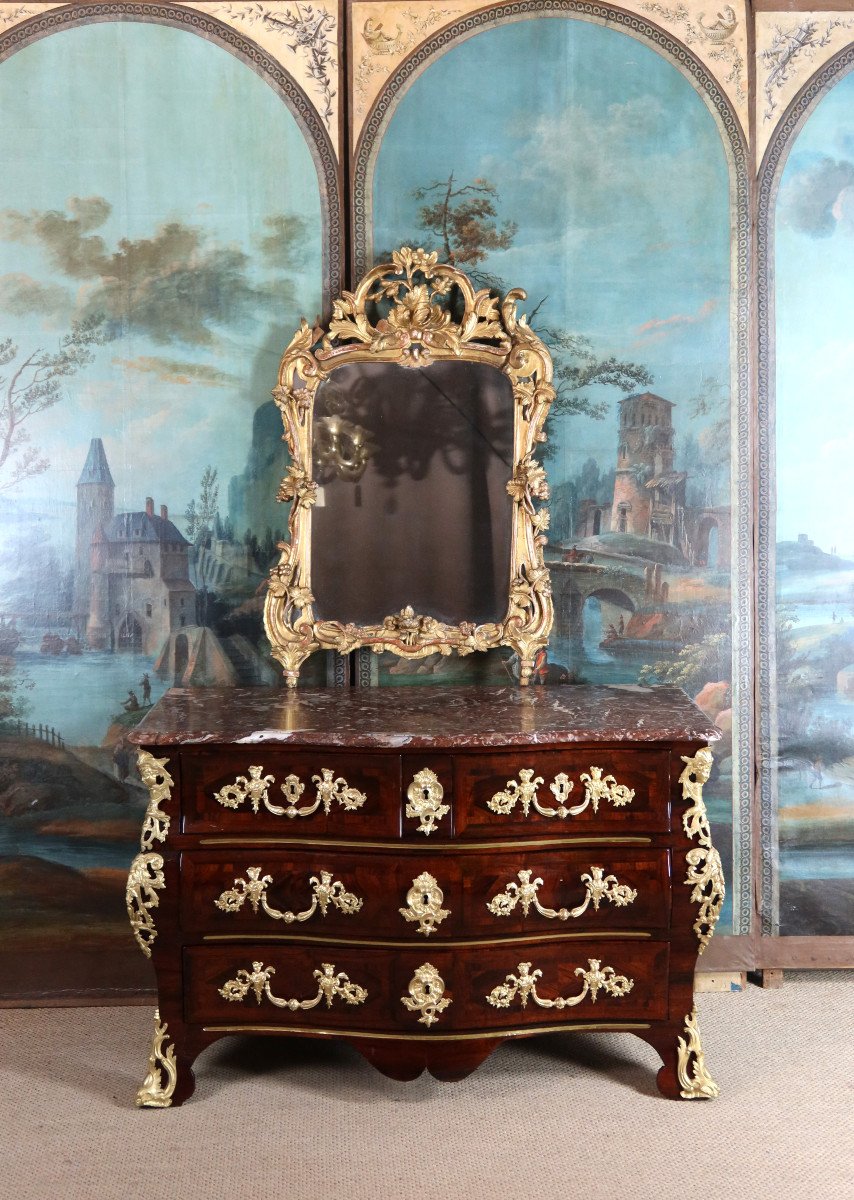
169 208
600 166
806 563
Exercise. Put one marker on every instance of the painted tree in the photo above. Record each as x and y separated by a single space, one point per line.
208 499
33 384
191 520
578 367
465 218
200 514
696 664
13 684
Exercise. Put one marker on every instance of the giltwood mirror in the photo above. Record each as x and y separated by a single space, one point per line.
412 424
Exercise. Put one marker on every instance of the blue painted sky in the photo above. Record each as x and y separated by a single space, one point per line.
122 129
614 171
815 350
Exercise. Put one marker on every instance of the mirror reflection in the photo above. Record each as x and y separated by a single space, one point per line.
422 459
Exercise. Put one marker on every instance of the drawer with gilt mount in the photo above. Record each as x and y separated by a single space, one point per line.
425 896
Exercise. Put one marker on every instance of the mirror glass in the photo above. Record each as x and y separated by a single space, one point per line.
412 506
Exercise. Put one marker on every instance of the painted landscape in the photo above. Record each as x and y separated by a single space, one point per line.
814 582
146 294
613 212
145 297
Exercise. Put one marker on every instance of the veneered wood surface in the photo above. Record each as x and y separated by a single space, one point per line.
377 852
479 778
207 771
381 881
470 974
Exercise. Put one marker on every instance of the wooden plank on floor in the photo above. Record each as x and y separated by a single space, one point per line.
767 978
720 981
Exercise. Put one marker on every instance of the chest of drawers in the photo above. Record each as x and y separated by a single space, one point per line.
424 872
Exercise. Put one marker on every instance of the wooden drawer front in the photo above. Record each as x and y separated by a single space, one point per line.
257 790
271 984
355 990
362 893
628 979
423 898
610 790
601 889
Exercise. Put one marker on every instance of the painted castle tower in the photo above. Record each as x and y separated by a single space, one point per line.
95 500
132 585
649 496
649 499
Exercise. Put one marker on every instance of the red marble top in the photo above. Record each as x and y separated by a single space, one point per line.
424 717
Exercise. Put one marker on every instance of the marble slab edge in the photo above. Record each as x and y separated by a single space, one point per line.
423 718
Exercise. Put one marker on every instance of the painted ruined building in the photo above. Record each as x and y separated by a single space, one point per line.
649 495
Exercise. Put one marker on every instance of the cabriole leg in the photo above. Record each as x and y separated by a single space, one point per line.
165 1086
684 1075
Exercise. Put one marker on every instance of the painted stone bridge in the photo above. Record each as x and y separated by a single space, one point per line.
626 584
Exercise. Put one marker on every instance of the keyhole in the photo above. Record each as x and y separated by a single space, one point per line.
425 899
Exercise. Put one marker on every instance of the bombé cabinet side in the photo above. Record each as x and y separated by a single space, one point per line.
428 960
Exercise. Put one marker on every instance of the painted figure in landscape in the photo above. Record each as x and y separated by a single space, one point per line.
609 202
145 297
814 577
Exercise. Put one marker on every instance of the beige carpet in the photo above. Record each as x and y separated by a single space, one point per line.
565 1116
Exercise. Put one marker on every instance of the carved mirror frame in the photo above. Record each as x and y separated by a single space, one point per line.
405 311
